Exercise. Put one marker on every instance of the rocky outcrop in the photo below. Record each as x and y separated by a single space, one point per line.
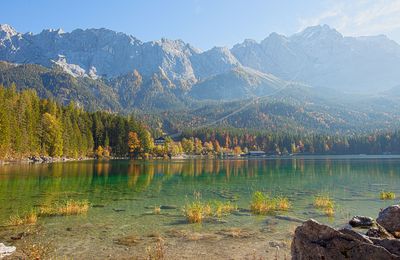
313 240
378 231
389 218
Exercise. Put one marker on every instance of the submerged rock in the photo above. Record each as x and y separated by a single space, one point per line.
168 207
241 214
98 206
389 218
313 240
290 218
6 250
128 240
361 221
244 210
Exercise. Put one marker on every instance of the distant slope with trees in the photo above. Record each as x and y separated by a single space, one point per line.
30 126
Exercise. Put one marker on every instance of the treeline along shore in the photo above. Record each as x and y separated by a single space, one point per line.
31 127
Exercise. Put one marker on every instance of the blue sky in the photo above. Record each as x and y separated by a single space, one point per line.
205 23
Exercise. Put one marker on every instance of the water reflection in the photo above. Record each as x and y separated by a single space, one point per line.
25 185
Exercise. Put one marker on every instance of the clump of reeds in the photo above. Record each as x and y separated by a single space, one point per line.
387 195
223 208
157 210
196 211
325 203
67 208
263 204
28 219
282 203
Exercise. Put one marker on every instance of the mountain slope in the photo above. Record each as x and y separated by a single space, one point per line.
58 85
297 109
237 83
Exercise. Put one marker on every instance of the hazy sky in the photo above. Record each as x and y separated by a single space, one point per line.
205 23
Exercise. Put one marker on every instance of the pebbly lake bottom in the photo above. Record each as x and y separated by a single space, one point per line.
122 224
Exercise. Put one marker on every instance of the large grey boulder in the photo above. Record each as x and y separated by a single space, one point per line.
389 218
313 240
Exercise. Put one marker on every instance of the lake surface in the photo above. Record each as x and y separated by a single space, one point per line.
123 194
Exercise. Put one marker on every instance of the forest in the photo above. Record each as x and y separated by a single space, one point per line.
30 126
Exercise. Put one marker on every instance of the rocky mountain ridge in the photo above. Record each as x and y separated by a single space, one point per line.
318 56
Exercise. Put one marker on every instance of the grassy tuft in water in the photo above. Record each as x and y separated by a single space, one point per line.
157 210
263 204
223 208
329 211
321 201
28 219
325 203
387 195
282 203
70 207
197 211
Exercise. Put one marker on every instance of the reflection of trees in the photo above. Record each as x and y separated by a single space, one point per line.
140 175
24 184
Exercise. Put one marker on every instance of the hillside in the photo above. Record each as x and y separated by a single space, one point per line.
296 109
61 86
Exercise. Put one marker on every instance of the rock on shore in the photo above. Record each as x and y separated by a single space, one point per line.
389 218
6 250
313 240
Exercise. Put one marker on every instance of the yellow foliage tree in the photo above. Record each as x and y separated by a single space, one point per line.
133 144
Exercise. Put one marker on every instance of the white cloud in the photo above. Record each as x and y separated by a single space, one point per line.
367 17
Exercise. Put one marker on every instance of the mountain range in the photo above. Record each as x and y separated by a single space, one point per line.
104 69
318 56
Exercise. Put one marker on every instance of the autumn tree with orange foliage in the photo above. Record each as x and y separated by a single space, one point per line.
133 144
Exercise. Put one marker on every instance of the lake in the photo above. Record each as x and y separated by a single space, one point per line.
121 222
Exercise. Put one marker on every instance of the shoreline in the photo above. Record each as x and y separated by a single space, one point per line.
48 159
42 159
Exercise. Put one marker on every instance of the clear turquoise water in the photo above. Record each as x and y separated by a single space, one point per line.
134 187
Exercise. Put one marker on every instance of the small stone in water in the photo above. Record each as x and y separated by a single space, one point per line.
168 207
98 206
361 221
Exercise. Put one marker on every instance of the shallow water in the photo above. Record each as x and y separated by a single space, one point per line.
123 194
